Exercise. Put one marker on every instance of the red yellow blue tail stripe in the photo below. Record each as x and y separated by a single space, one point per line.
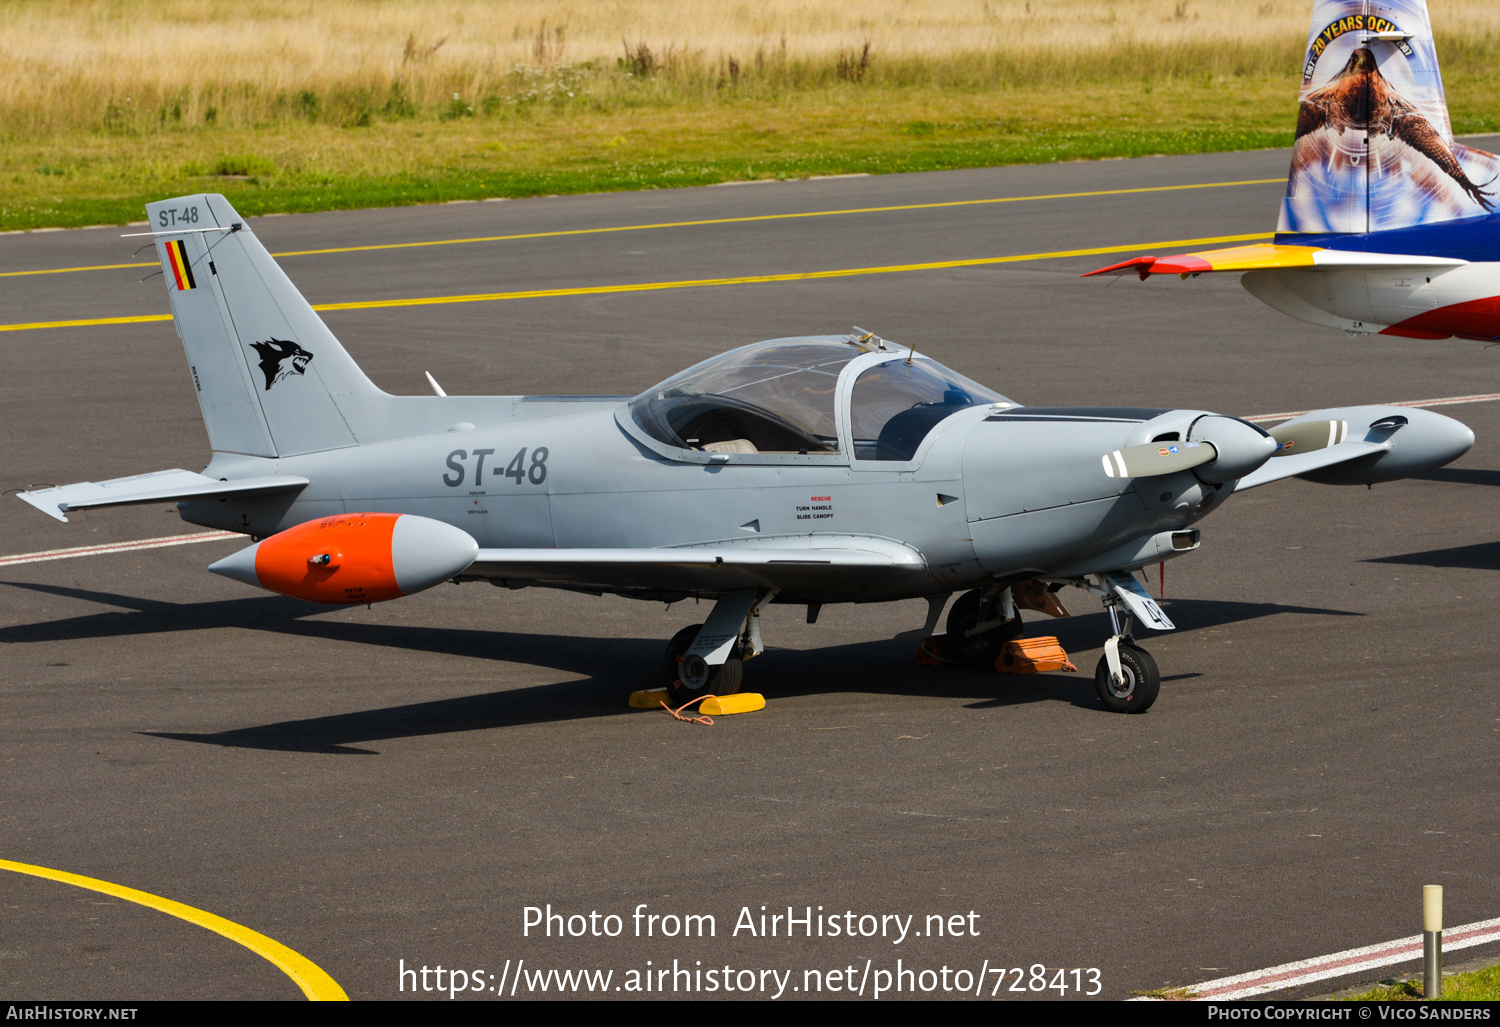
1263 256
1236 258
182 271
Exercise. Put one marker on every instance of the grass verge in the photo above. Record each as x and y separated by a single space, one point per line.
97 177
1476 986
288 106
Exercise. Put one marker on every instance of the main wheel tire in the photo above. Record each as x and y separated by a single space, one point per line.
692 679
979 651
1142 681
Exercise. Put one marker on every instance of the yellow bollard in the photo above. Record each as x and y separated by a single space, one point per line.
1432 940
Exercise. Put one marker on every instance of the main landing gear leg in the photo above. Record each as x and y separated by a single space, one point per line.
980 623
708 659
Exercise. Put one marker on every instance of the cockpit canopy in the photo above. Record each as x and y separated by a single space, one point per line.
779 397
896 404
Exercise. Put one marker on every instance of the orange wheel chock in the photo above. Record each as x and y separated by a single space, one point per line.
1033 656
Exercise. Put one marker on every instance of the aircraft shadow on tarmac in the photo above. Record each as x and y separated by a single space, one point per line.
1483 556
1462 476
613 665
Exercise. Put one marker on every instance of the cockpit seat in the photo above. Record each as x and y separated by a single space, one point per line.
731 446
902 435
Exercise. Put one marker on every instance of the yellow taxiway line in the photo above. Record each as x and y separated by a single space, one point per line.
315 984
701 283
690 224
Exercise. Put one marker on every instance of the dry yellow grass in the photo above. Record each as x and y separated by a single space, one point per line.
127 63
313 104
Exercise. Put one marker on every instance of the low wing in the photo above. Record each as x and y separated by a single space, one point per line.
1263 256
156 487
1291 466
823 564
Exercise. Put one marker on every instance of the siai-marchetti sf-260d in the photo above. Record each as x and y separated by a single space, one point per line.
824 469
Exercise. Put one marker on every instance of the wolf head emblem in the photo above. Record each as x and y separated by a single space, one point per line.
281 360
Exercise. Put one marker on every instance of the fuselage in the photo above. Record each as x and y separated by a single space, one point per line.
1414 302
990 493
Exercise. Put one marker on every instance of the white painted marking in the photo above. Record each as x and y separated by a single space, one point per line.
1447 401
118 547
1339 964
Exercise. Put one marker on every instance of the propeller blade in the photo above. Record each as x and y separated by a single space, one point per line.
1153 458
1308 436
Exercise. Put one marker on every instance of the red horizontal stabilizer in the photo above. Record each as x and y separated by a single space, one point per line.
1140 265
1183 264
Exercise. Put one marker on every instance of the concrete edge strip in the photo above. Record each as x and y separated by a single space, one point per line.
117 547
1338 964
315 984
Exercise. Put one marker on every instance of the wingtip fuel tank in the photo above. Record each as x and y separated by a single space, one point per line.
354 558
1412 441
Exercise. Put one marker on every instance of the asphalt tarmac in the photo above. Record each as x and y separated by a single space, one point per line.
390 788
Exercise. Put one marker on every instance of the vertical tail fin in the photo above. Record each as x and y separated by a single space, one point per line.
271 378
1374 148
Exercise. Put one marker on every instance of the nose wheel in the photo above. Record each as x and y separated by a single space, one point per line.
1138 683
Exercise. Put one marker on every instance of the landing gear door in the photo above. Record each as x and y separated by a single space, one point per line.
1137 600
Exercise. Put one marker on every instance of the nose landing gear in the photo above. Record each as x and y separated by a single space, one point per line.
1138 681
1126 678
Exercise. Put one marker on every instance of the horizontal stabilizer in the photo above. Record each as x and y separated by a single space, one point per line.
156 487
1264 256
817 562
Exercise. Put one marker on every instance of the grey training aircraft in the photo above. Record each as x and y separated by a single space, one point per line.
824 469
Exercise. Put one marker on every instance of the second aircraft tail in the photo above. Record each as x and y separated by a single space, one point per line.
1374 148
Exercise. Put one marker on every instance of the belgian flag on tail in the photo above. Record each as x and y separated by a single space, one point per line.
182 271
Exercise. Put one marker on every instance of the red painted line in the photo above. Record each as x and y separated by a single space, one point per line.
1393 955
1258 983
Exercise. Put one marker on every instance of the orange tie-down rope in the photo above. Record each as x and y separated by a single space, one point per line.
703 718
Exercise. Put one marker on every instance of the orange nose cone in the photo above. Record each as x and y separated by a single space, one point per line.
342 559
